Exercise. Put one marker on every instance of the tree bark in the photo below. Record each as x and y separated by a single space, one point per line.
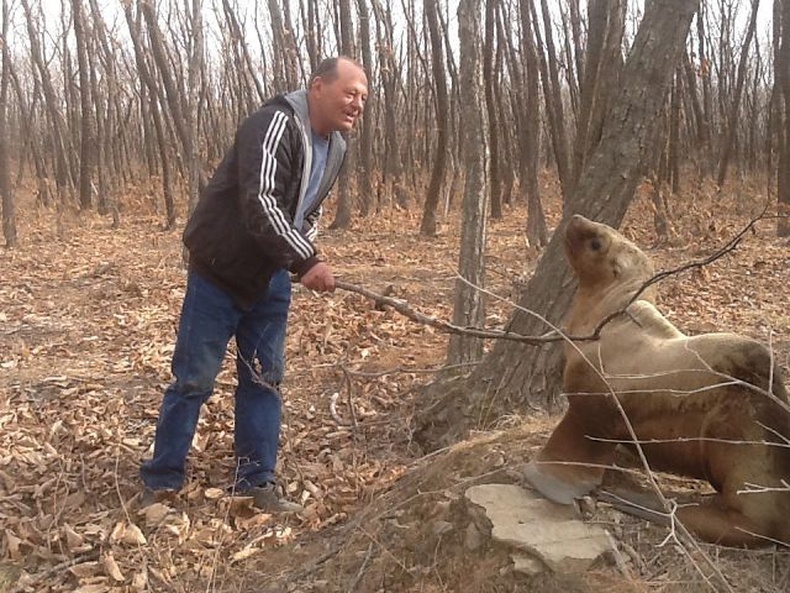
283 48
241 46
365 127
159 127
390 76
782 80
182 123
604 62
469 302
707 100
554 102
87 139
344 200
102 102
6 194
63 179
530 142
438 170
517 376
193 116
493 129
729 140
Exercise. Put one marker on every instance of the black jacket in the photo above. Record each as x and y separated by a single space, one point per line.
242 229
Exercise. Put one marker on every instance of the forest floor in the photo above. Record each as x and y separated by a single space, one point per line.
87 327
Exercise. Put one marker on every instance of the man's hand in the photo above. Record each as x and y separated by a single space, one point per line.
319 278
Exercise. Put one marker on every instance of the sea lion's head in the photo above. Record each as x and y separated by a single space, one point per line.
601 257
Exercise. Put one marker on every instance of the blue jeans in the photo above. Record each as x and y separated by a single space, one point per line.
209 318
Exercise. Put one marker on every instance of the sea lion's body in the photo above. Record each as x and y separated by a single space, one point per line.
711 407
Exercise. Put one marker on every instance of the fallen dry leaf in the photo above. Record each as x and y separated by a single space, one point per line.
85 570
140 580
128 533
214 493
112 568
154 514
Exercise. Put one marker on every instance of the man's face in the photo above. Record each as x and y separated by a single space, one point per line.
337 104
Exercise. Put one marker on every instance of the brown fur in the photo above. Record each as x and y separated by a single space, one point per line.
691 393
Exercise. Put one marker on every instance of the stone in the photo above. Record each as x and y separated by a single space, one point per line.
528 523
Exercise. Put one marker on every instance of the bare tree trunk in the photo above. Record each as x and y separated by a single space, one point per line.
241 46
44 195
658 173
344 201
182 124
707 101
782 79
159 126
576 28
106 202
732 123
537 230
554 103
6 194
517 376
572 85
673 156
493 131
390 76
469 303
284 49
755 112
701 137
194 105
365 131
312 31
63 178
603 64
87 139
428 224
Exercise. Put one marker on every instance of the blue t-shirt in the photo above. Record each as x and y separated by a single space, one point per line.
320 151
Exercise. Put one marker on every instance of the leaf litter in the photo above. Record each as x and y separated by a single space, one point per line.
87 327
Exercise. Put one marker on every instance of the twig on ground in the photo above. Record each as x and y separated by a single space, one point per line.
333 410
353 584
40 577
403 369
350 398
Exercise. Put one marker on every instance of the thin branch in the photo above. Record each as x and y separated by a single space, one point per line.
406 310
729 247
24 583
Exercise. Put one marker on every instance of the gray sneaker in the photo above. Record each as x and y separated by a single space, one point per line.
266 499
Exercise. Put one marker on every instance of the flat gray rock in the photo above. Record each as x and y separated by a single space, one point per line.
551 532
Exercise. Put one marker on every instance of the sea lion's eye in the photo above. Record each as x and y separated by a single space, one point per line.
595 244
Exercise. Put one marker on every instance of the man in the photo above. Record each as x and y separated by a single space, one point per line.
254 223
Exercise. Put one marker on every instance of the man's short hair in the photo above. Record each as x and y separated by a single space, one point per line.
327 68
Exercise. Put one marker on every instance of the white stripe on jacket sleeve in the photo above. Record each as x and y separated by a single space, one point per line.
267 186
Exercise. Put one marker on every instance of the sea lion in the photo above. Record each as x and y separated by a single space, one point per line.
711 407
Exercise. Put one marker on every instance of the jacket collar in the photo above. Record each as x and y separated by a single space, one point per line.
337 145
